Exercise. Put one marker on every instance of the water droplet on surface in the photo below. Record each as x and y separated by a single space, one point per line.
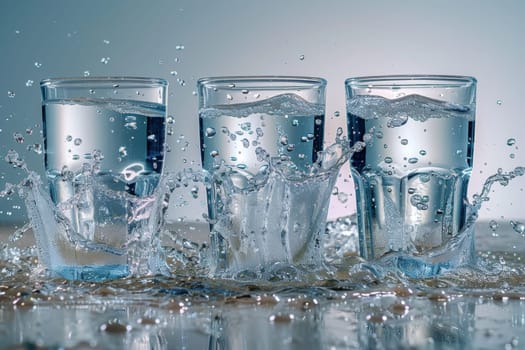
388 160
499 102
423 152
69 138
413 160
404 142
174 72
511 142
301 57
337 114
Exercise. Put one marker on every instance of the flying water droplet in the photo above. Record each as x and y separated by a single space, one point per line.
518 227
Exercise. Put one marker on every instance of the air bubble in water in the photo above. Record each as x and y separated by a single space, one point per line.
69 138
404 142
174 72
105 60
18 137
413 160
301 57
179 47
106 42
77 141
38 64
87 73
245 143
397 120
210 132
170 120
511 142
283 140
152 137
29 83
388 160
122 151
499 102
11 94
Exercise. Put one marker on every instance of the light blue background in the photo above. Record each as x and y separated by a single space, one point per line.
338 39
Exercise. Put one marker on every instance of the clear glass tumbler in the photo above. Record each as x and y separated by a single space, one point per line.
412 178
104 148
247 126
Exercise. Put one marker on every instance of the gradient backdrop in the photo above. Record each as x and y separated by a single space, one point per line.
187 39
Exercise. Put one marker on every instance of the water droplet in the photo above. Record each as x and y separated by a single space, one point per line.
17 31
493 224
499 102
91 91
283 140
301 57
77 141
179 47
411 190
210 132
259 132
174 72
152 137
290 147
518 227
122 151
38 64
413 160
512 156
388 160
423 152
337 114
105 60
69 138
11 94
404 142
295 122
18 137
29 83
229 97
511 142
106 42
87 73
318 121
256 96
397 120
194 192
339 132
214 153
245 143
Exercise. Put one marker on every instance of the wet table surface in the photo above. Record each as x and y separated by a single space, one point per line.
468 309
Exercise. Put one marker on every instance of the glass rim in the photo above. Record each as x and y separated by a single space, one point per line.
411 81
262 82
128 81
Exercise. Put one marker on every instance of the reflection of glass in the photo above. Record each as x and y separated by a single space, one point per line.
411 179
246 123
104 141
